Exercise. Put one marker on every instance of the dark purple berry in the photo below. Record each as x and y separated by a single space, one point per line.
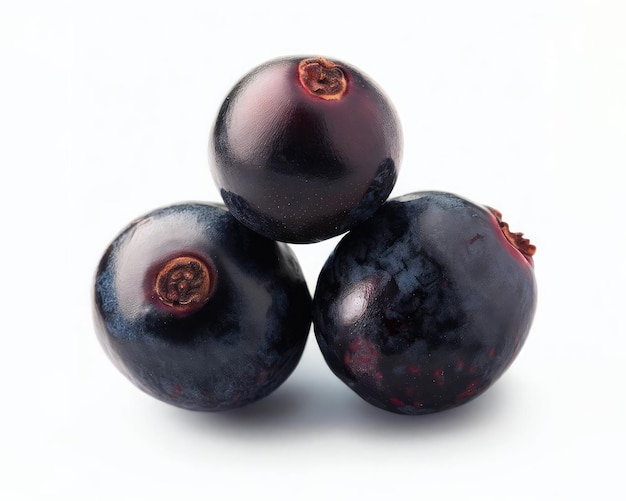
199 311
422 307
303 148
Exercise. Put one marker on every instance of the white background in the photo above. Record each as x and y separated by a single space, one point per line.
105 112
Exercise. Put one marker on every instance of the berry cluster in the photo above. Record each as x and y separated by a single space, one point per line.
423 304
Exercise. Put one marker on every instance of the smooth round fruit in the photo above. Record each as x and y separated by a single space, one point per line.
199 311
303 148
425 305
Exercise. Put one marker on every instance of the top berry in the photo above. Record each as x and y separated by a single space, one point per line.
303 148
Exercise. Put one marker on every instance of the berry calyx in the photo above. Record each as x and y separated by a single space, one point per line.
516 239
322 78
184 283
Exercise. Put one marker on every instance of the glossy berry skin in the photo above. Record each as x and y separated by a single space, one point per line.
303 148
199 311
424 306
